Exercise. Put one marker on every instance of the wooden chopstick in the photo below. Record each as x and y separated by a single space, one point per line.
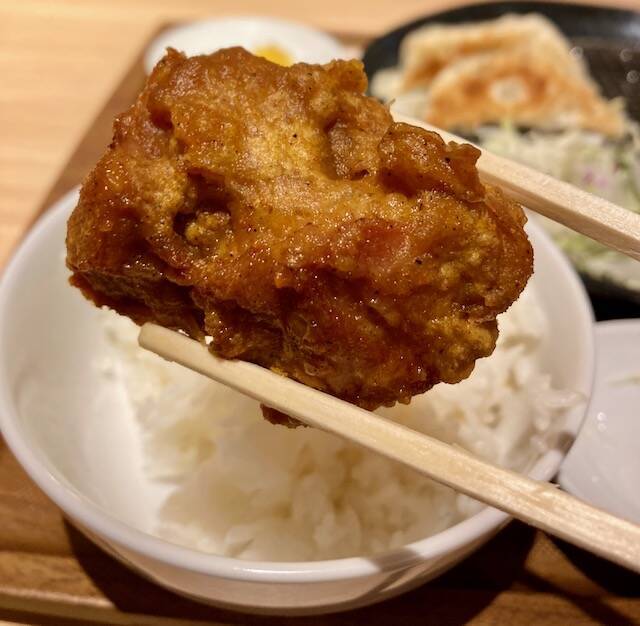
537 503
583 212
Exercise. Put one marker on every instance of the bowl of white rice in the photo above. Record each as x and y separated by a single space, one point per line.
182 479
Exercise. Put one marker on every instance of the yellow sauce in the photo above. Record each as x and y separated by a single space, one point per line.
275 54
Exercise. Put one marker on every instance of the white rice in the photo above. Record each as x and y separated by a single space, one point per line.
248 489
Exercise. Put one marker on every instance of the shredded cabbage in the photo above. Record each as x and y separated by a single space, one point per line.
604 167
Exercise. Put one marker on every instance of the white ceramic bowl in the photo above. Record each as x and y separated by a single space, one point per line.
300 42
68 425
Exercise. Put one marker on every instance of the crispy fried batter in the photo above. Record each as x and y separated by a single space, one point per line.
283 213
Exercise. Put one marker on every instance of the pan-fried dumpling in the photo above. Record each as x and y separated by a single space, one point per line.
526 86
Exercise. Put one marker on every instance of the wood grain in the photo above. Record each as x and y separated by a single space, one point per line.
49 573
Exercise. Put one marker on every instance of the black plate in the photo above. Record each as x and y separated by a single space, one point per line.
610 41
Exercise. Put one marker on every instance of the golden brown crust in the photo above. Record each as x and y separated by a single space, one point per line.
285 214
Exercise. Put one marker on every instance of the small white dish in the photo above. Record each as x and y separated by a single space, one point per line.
299 42
603 467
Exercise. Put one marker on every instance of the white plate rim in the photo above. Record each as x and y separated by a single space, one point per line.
568 477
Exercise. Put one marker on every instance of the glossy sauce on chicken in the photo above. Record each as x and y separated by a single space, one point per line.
283 213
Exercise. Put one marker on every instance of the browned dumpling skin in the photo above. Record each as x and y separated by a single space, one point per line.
283 213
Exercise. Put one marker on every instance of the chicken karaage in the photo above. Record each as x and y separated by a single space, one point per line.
283 213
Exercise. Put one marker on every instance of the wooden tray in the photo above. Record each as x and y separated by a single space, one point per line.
50 574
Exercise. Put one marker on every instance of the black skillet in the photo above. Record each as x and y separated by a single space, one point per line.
608 38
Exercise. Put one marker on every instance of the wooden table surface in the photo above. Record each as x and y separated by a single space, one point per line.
61 62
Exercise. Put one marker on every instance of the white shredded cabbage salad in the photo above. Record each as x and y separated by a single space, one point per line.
246 488
605 167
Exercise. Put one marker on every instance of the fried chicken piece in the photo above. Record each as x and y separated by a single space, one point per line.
283 213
